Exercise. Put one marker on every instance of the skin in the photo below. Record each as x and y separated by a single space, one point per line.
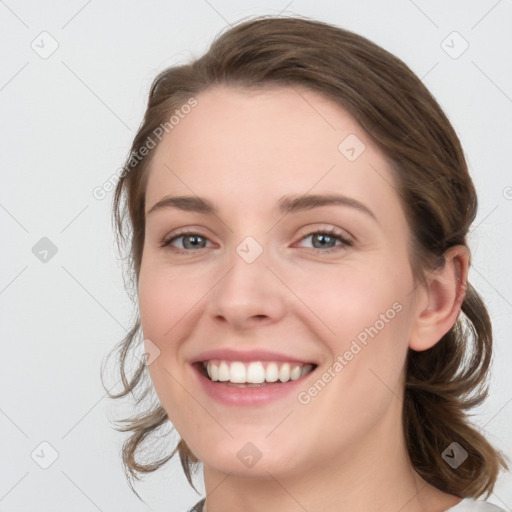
344 450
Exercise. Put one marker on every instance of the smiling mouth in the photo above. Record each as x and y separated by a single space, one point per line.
253 374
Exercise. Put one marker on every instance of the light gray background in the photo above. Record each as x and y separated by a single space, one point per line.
67 124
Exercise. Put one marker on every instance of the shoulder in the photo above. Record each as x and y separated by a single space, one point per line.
471 505
198 507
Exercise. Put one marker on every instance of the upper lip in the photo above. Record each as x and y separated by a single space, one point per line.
227 354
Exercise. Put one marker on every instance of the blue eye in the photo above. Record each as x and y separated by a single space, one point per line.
195 239
325 240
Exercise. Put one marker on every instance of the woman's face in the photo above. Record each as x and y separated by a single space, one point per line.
253 277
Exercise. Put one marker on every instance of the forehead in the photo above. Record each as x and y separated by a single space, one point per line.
247 147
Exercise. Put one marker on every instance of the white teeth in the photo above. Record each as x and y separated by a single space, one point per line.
272 373
255 372
223 371
237 373
284 372
213 370
295 372
306 369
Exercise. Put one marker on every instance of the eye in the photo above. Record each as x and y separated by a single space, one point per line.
190 240
324 241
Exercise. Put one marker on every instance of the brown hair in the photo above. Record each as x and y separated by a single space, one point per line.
394 107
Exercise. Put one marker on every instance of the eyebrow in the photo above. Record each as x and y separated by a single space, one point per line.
285 205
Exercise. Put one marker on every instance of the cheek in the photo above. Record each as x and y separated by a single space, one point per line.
163 304
163 300
368 319
350 298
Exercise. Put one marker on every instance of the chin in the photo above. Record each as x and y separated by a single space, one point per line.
247 458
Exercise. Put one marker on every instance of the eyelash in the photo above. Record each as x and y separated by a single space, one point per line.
166 243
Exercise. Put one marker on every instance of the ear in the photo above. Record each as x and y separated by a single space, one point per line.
441 299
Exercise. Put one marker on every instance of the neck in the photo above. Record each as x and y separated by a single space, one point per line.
372 475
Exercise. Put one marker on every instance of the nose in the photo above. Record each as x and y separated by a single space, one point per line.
249 294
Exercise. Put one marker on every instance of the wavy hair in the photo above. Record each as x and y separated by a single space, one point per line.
438 196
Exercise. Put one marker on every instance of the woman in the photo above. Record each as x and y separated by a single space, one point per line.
297 207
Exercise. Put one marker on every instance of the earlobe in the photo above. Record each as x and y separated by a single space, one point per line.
445 287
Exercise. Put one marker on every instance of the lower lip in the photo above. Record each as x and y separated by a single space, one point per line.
253 396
